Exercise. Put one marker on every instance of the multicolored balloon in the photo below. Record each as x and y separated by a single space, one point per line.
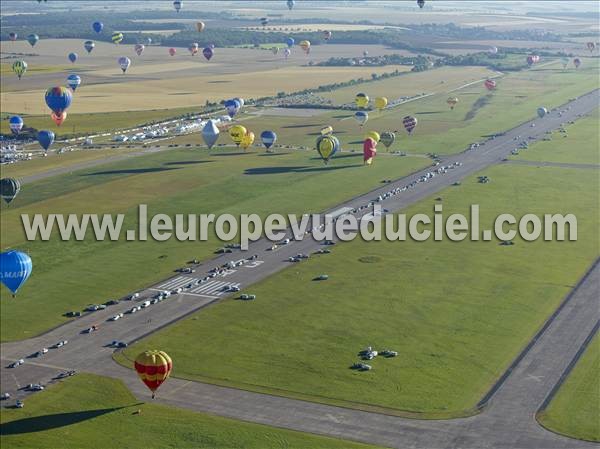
16 269
177 5
73 81
361 117
45 139
89 46
153 368
33 39
58 99
124 63
139 49
490 84
452 101
388 138
268 138
208 53
410 123
232 106
9 189
59 118
98 27
381 103
532 59
116 38
19 67
361 100
172 51
327 146
16 124
73 57
210 133
193 48
237 133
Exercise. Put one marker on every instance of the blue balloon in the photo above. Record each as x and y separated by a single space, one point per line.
15 269
46 138
98 27
58 99
16 124
232 106
73 57
268 138
290 42
73 81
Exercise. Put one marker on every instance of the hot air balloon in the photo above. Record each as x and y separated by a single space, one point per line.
193 48
327 35
361 117
275 50
208 53
373 135
89 46
237 133
200 26
210 133
124 63
305 46
172 51
247 140
153 367
369 150
490 84
73 81
177 5
58 99
98 27
139 49
59 118
388 138
16 124
12 36
381 103
9 189
565 62
264 21
286 53
361 100
452 101
577 62
268 138
148 40
116 38
240 101
290 4
591 46
326 131
45 139
73 57
493 50
421 3
19 67
16 269
541 112
290 42
410 123
327 146
33 39
232 106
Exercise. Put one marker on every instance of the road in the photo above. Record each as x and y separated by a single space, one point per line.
507 421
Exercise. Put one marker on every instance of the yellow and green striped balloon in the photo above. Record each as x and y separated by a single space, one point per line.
19 67
117 37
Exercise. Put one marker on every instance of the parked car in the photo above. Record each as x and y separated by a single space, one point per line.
5 396
19 404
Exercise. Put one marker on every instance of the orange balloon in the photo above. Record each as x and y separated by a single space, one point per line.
59 118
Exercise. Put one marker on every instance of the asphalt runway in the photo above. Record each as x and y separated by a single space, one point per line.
506 421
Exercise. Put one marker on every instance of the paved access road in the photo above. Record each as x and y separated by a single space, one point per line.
507 422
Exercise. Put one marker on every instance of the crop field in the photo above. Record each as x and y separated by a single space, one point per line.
575 409
457 313
82 409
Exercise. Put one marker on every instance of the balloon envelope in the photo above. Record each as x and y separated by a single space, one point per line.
73 57
290 4
210 133
33 39
153 368
268 138
45 138
208 53
361 117
410 123
73 81
89 46
116 37
327 146
237 133
98 27
172 51
388 138
124 63
12 36
490 84
232 106
58 99
200 26
541 111
16 124
9 189
15 269
19 67
381 103
177 5
139 49
290 42
247 140
59 118
361 100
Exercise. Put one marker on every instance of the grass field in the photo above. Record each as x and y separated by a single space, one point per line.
575 409
457 313
172 182
89 408
581 145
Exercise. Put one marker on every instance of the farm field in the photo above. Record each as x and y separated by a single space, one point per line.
456 314
575 409
82 409
171 182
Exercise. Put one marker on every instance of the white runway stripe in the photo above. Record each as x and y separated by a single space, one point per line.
214 288
207 286
177 282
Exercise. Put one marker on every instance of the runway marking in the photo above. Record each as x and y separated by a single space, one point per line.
214 288
254 264
200 296
177 282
